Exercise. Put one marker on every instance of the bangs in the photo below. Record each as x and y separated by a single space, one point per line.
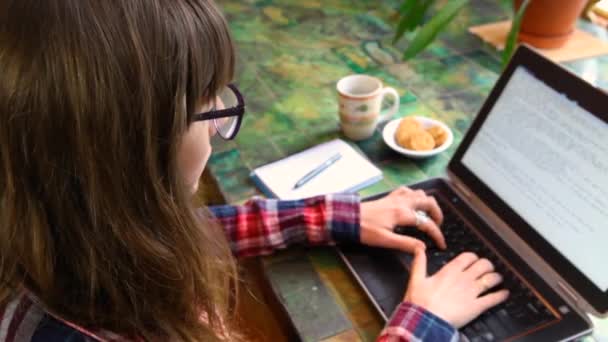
205 51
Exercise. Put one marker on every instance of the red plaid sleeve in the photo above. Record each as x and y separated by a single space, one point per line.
411 323
261 226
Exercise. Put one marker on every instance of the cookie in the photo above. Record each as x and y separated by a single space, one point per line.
406 128
421 141
438 134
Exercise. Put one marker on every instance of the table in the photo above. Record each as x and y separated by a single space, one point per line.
291 53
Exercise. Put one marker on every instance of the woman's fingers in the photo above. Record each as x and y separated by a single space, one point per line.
462 262
388 239
488 281
409 201
438 214
490 300
432 229
401 242
452 293
418 270
404 190
429 205
419 200
479 268
420 193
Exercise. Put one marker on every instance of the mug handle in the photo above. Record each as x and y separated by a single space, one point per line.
394 108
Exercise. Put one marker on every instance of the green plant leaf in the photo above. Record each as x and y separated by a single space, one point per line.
407 6
429 31
419 13
405 11
412 14
513 33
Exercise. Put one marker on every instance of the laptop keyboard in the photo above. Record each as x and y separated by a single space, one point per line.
522 311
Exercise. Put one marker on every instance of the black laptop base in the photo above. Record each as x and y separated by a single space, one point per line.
531 312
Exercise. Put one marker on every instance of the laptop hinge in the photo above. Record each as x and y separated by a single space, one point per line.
463 190
574 299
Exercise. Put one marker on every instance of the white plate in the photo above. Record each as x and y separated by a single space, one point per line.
388 133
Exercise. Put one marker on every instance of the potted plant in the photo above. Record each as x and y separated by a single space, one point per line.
548 24
541 23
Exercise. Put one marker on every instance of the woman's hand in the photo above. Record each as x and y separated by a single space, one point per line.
453 293
379 218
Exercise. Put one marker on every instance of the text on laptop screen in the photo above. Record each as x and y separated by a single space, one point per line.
547 158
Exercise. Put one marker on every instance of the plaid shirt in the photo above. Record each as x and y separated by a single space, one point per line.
258 227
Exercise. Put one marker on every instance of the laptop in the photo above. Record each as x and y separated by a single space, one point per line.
527 189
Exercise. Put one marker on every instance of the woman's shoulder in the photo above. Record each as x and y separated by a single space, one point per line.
23 319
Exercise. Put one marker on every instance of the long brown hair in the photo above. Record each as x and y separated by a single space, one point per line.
94 218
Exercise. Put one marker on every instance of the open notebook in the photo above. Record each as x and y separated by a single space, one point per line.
350 173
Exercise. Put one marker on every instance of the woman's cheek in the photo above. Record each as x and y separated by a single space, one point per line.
194 152
212 130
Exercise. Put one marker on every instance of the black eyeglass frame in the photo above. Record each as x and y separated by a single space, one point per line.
237 111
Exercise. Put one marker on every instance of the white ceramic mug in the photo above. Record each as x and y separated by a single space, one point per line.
360 98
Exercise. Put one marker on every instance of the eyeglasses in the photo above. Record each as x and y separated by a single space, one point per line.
227 121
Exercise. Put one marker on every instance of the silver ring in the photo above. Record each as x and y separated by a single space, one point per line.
421 218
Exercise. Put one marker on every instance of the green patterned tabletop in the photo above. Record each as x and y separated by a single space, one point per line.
291 54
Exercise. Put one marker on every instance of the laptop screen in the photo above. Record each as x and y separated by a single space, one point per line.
546 157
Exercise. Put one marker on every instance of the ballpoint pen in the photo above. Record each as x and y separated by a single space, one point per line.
317 170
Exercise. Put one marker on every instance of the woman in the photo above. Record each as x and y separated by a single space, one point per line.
106 111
